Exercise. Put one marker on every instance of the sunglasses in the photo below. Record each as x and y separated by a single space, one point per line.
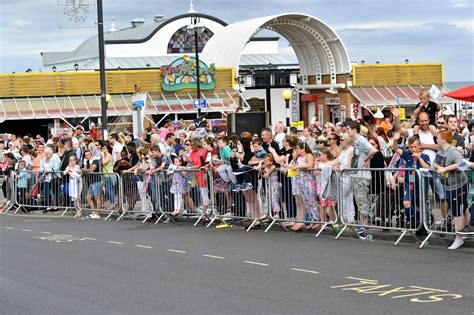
331 139
320 142
187 144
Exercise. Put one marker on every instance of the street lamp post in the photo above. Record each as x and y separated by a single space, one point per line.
196 27
103 101
286 94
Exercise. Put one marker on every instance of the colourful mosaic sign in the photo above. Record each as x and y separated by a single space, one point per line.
181 74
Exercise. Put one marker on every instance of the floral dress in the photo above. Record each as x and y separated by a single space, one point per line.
179 183
304 185
274 191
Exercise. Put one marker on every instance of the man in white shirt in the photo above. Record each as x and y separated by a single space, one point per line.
361 180
279 134
117 147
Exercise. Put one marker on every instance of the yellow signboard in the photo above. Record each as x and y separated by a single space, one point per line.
298 124
397 74
402 114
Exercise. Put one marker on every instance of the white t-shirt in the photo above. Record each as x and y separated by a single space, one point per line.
116 149
279 139
426 137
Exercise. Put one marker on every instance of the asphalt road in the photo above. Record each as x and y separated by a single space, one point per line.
59 266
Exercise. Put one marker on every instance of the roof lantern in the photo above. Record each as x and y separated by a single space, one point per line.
137 22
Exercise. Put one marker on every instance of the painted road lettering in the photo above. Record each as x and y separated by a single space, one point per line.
423 294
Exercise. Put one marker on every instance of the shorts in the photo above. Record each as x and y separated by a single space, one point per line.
438 189
95 190
412 196
457 200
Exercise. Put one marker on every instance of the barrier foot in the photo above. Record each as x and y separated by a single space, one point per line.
121 216
425 241
270 226
400 238
340 232
212 221
108 217
149 216
321 230
252 225
64 212
159 218
199 219
78 214
17 209
8 209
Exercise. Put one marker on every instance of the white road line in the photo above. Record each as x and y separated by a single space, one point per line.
304 270
255 263
67 235
37 220
212 256
89 239
114 242
176 251
43 232
143 246
26 230
9 227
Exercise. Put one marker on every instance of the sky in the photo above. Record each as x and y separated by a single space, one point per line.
388 31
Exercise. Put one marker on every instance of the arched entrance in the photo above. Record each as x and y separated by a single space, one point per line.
318 48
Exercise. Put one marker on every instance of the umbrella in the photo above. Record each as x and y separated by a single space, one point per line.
464 94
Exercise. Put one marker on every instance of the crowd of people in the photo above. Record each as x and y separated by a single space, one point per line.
299 170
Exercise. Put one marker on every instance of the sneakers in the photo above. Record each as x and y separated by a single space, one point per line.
246 186
94 217
359 230
457 243
237 187
227 216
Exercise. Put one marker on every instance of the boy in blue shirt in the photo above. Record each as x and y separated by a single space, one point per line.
413 159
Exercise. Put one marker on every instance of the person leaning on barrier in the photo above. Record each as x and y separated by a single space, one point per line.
50 166
414 158
454 181
363 152
93 180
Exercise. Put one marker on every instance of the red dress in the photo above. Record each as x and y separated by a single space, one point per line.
199 161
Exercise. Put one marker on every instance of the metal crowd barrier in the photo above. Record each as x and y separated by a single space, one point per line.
133 196
363 198
182 192
34 191
446 205
8 187
373 199
308 198
100 192
239 201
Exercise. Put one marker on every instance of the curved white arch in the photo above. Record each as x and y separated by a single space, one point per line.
317 46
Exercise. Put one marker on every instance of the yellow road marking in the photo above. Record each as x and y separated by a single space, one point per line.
304 270
9 227
176 251
212 256
43 232
255 263
143 246
114 242
26 230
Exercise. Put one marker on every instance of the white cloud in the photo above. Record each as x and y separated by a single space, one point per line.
460 3
19 23
467 24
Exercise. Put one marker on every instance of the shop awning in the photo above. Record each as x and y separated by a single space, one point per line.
120 105
465 94
404 95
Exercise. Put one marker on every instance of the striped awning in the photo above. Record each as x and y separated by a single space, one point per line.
404 95
120 105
